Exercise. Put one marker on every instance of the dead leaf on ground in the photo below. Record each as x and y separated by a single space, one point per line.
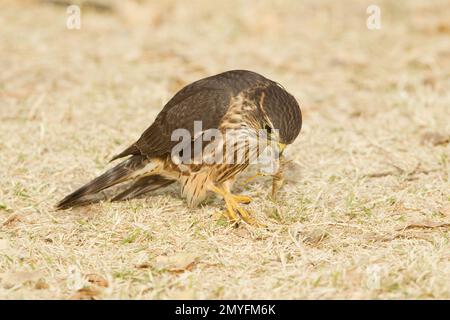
435 138
443 28
425 225
315 237
243 232
410 234
399 235
177 263
11 220
97 280
86 293
41 285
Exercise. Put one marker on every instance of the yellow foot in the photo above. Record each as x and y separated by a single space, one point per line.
234 211
242 199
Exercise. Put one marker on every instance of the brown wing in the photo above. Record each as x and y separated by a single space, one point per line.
205 100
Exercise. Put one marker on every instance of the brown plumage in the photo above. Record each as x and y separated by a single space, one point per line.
236 99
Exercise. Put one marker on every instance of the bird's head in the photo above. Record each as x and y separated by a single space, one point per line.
282 116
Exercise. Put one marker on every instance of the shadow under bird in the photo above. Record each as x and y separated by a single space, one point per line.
236 99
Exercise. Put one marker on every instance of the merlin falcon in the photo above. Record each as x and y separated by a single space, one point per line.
239 100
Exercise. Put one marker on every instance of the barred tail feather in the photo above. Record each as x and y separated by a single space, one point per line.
120 173
143 185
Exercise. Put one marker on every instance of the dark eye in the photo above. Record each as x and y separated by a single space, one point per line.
268 129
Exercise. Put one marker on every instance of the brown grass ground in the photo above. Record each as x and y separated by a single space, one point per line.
365 213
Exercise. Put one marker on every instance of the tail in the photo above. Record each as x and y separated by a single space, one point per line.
120 173
143 185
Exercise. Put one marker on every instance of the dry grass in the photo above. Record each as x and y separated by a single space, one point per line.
364 215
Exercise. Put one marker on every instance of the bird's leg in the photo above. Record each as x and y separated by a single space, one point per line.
234 210
278 178
259 174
